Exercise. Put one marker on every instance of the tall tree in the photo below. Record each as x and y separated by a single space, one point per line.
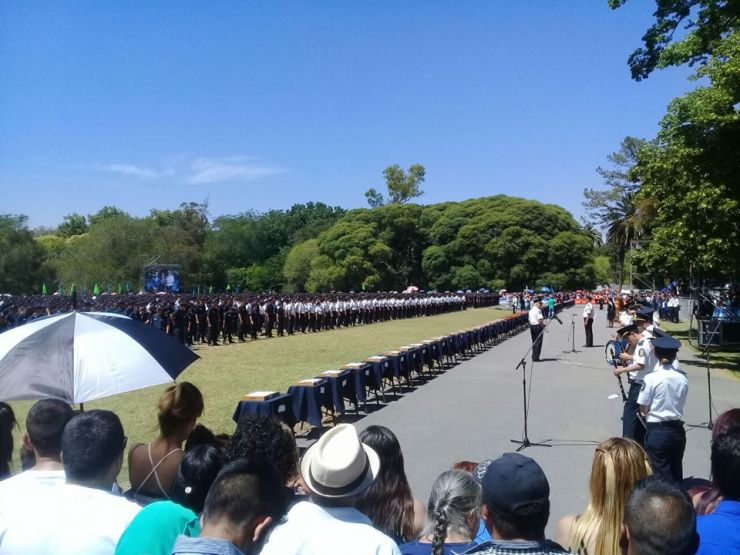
20 256
402 185
72 224
690 174
707 24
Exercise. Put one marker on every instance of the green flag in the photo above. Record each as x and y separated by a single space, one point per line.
72 289
210 289
228 287
44 291
199 290
120 289
96 290
61 289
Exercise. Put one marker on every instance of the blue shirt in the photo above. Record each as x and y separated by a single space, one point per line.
204 546
418 548
483 534
719 532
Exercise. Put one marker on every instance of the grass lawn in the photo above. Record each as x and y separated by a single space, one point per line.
225 373
726 359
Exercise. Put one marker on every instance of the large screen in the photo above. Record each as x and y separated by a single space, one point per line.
158 278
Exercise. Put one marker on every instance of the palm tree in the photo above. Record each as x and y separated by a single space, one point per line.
626 223
594 233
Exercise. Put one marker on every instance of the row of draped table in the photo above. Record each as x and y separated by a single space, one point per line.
306 400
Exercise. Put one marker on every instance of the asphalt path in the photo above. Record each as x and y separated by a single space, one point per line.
473 410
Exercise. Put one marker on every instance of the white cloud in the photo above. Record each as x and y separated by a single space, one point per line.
236 168
129 169
199 170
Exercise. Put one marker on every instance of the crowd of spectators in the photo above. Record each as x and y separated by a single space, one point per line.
250 493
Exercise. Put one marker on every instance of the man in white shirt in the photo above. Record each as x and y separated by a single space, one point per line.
588 321
536 328
640 363
44 426
662 399
336 469
80 517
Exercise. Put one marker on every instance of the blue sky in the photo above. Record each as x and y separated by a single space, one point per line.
259 105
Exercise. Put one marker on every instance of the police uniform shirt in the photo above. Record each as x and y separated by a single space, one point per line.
535 315
664 392
588 310
625 318
644 355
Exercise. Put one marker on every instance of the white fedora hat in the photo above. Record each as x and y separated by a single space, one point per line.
339 465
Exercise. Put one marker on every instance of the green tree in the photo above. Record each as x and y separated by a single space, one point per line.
374 198
103 213
72 224
707 24
20 256
402 185
297 267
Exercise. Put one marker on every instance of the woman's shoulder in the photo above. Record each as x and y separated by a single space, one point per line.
562 531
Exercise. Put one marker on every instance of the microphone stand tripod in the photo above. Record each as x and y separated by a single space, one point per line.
572 335
705 353
525 442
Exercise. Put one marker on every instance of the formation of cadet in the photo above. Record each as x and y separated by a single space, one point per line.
215 319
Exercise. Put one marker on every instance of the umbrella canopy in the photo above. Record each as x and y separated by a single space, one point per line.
81 356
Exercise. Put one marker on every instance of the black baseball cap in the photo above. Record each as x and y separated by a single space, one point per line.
512 481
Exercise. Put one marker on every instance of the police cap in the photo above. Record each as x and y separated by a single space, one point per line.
667 343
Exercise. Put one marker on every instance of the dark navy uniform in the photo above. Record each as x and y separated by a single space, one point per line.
662 399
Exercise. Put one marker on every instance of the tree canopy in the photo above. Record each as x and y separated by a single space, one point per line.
487 242
681 190
402 186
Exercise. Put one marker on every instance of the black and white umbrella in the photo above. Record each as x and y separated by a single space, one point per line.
81 356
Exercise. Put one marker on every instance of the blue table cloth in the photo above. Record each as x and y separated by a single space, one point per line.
280 407
308 401
341 387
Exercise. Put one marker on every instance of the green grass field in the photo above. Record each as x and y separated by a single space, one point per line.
225 373
725 359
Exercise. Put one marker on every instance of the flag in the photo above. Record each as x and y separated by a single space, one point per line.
60 290
228 287
72 290
44 291
120 289
199 290
210 289
96 290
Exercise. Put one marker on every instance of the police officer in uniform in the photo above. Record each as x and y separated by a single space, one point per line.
536 325
588 322
662 399
640 364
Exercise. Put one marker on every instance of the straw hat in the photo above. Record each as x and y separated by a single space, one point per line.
339 465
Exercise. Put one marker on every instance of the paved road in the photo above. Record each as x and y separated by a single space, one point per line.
472 411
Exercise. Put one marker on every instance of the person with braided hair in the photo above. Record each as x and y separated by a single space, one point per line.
453 516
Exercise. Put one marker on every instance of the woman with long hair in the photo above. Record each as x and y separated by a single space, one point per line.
388 501
453 516
7 423
152 467
618 463
155 528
